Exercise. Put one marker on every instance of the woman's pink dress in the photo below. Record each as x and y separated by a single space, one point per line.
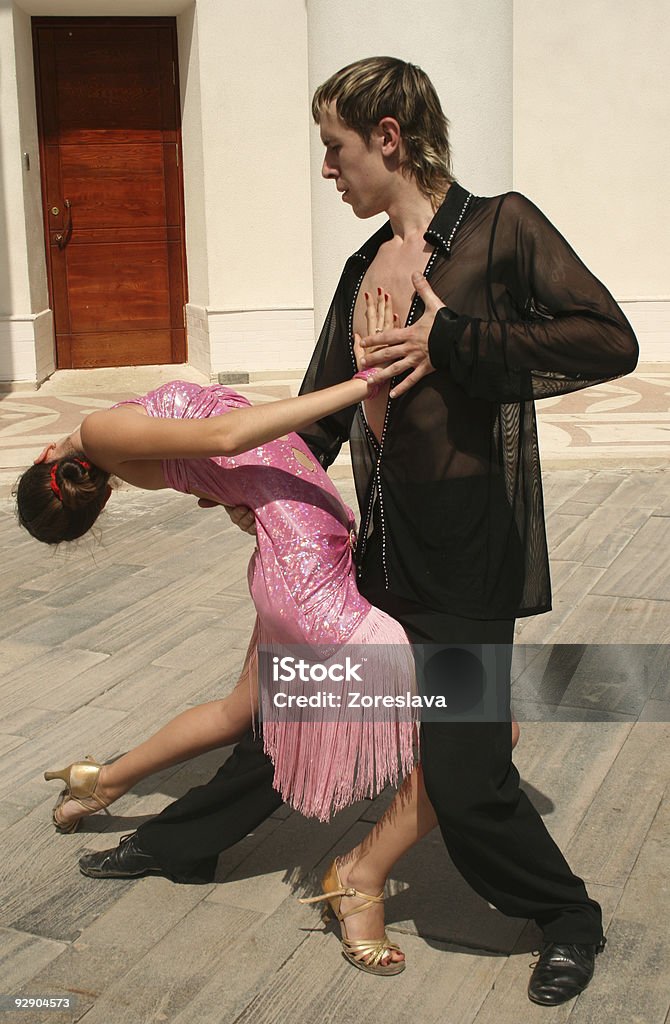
302 581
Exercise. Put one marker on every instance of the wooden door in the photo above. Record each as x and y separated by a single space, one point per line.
108 115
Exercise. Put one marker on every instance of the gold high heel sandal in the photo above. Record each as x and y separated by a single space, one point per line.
81 780
366 954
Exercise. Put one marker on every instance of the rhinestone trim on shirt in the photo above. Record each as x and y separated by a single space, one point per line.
379 445
351 317
365 524
447 242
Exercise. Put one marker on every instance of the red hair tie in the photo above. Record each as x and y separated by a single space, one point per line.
54 486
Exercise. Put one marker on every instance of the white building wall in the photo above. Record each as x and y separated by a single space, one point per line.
193 155
566 105
14 284
592 147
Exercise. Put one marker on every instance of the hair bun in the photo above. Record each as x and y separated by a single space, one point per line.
77 482
72 468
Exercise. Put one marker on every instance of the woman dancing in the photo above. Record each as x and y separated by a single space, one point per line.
209 442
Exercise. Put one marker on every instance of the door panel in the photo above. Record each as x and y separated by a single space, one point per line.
134 291
88 350
116 186
109 130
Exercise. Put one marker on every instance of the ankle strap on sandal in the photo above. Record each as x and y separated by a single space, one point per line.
346 891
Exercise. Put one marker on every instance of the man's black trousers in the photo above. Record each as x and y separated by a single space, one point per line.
494 835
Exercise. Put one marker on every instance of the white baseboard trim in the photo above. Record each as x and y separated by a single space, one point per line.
249 341
263 343
27 355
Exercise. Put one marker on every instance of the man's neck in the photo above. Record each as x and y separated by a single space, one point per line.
409 211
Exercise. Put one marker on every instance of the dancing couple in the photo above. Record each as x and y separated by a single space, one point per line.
451 543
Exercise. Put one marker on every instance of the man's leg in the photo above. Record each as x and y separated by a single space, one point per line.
185 839
494 835
499 843
497 839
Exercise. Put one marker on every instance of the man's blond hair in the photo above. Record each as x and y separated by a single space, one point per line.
377 87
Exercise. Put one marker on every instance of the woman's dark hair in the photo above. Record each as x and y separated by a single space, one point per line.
61 500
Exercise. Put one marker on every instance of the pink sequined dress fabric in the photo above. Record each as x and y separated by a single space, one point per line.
302 581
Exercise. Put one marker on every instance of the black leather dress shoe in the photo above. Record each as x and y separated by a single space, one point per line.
562 972
127 860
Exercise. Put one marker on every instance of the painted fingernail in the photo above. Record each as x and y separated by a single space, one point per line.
387 297
379 291
366 295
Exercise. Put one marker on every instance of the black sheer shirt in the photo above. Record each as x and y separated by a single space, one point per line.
451 496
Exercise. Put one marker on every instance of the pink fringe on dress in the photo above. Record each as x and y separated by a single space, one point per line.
322 765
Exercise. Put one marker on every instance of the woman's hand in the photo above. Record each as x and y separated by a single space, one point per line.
379 316
407 349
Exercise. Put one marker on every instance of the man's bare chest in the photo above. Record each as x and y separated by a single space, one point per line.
391 270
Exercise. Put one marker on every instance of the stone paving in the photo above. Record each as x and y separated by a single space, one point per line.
104 641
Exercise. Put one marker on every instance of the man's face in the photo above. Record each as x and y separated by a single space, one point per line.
357 169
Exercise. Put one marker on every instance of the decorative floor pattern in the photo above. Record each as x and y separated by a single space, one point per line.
626 418
624 421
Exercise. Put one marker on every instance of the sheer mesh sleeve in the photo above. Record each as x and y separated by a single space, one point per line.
570 332
332 362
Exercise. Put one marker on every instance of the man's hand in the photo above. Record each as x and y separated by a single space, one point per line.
240 514
407 347
43 455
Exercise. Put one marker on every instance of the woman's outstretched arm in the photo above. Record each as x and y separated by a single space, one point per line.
121 435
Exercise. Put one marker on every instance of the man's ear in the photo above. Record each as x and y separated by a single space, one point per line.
390 135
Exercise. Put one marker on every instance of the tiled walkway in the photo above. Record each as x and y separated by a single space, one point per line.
104 641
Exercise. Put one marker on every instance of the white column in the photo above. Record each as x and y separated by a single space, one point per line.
466 49
247 182
26 332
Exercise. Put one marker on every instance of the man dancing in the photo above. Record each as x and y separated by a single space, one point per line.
499 311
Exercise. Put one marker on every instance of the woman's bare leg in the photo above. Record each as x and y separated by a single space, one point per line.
368 865
193 732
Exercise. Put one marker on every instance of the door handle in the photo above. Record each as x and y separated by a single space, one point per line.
62 240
